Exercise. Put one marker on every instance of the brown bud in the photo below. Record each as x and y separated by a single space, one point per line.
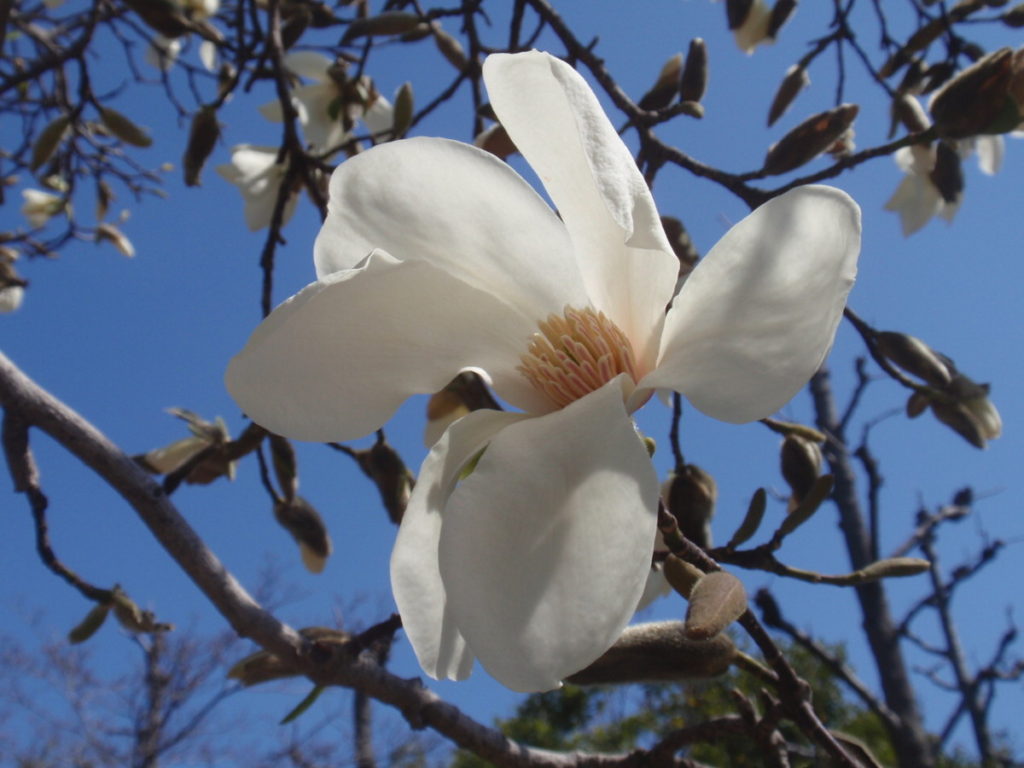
695 72
48 140
303 522
666 87
383 24
716 601
958 418
976 100
915 357
751 520
908 112
916 404
161 15
123 128
801 465
286 467
681 575
781 12
682 244
496 141
202 138
796 80
658 651
403 110
1014 17
948 174
690 496
893 567
809 139
450 48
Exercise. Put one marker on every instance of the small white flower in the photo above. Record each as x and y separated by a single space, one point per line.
39 207
162 52
319 104
436 257
258 176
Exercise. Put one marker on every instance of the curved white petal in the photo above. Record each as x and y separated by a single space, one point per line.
546 546
208 55
379 117
916 200
313 103
757 316
991 150
308 64
557 123
336 360
456 207
415 576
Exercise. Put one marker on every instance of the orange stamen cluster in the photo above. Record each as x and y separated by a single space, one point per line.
576 354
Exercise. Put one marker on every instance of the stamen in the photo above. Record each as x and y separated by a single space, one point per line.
576 354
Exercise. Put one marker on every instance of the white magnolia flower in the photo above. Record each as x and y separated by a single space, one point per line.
258 175
437 257
162 52
917 199
39 207
318 104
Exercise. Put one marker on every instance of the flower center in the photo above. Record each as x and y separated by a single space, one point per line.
576 354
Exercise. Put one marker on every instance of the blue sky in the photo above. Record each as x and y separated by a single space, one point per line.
121 340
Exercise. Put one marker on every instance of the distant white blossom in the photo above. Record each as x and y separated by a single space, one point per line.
258 176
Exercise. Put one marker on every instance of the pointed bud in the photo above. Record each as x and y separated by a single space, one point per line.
658 651
403 111
104 197
666 87
801 464
751 520
382 464
916 404
690 496
123 128
716 601
695 72
781 12
915 357
48 140
384 24
894 567
304 523
90 624
757 18
958 418
496 141
681 575
450 48
908 112
796 80
809 139
805 509
979 100
202 138
948 174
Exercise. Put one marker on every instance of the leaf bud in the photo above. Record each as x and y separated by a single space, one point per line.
681 575
948 174
450 48
666 87
751 520
382 464
796 80
303 522
202 138
496 141
915 357
403 111
781 12
123 128
48 140
690 495
90 624
695 72
658 651
984 98
809 139
716 601
893 567
801 464
908 112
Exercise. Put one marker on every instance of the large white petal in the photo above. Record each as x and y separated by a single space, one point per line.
336 360
415 575
916 200
558 125
757 316
459 208
313 103
308 64
546 546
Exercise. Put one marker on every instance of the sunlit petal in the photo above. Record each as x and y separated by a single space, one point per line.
337 359
757 316
546 546
558 125
456 207
415 575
